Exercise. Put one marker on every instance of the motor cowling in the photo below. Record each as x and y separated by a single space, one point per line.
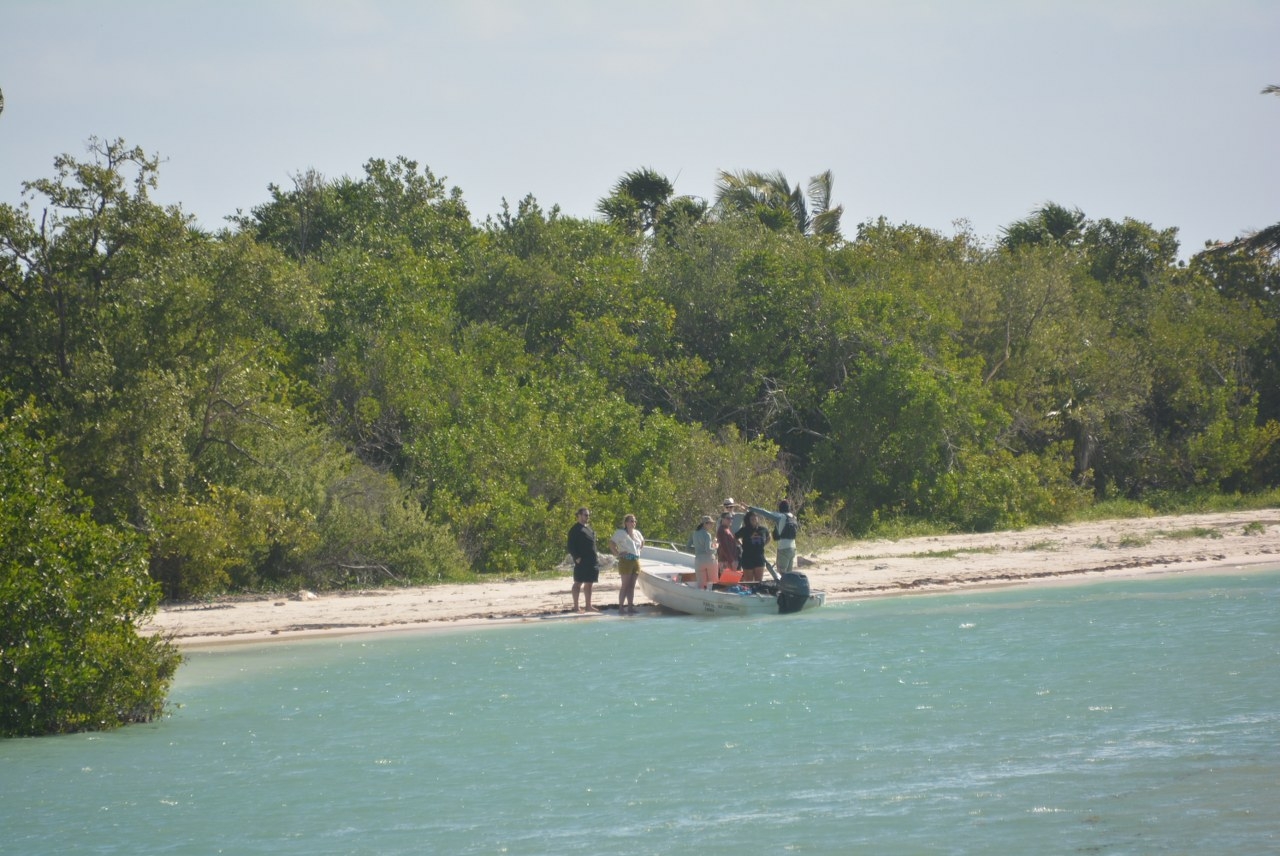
793 592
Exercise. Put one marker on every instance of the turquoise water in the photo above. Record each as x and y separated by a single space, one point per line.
1136 717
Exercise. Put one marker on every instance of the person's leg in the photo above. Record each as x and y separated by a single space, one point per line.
586 590
786 560
706 574
577 588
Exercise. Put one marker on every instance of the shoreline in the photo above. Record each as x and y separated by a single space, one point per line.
1224 542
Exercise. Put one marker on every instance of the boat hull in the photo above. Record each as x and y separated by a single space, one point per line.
660 579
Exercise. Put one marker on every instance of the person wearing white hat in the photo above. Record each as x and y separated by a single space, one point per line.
735 516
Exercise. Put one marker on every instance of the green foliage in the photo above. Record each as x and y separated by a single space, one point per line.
1049 224
230 540
71 658
903 430
641 203
1004 491
1190 533
769 199
361 387
392 208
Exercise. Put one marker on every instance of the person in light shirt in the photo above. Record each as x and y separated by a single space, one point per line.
705 561
626 544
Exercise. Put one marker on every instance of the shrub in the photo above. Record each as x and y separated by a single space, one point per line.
71 657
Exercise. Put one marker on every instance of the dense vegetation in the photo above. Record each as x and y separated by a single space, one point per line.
73 590
355 384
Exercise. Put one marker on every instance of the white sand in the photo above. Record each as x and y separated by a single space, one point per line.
1200 543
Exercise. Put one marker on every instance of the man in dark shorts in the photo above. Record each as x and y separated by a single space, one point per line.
586 567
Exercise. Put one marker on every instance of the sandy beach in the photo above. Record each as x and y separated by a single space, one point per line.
1114 549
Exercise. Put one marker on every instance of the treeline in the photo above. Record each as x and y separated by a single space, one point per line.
354 384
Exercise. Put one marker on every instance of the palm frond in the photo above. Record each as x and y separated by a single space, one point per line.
769 196
645 186
1262 241
820 192
827 223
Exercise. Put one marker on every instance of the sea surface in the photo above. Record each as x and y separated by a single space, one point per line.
1134 717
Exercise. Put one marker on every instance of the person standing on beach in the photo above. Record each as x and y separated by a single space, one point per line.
728 550
705 560
752 536
784 531
626 544
586 565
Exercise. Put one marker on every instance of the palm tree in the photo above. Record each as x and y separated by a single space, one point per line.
1264 240
637 201
643 203
771 198
1050 223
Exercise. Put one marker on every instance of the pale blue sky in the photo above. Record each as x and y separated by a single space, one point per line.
927 111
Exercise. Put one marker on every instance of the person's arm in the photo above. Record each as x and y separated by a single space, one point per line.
777 518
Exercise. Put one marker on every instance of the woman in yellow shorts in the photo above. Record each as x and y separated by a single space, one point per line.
626 544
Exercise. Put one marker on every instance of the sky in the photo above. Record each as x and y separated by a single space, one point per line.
927 112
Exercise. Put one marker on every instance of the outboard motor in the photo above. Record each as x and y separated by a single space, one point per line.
793 592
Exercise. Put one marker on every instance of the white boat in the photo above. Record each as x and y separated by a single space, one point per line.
665 574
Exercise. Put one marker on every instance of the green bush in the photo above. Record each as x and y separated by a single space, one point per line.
71 657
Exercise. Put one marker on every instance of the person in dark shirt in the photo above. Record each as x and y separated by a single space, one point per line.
586 565
784 532
752 536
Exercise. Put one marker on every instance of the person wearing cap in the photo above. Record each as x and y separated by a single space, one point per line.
736 517
705 560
